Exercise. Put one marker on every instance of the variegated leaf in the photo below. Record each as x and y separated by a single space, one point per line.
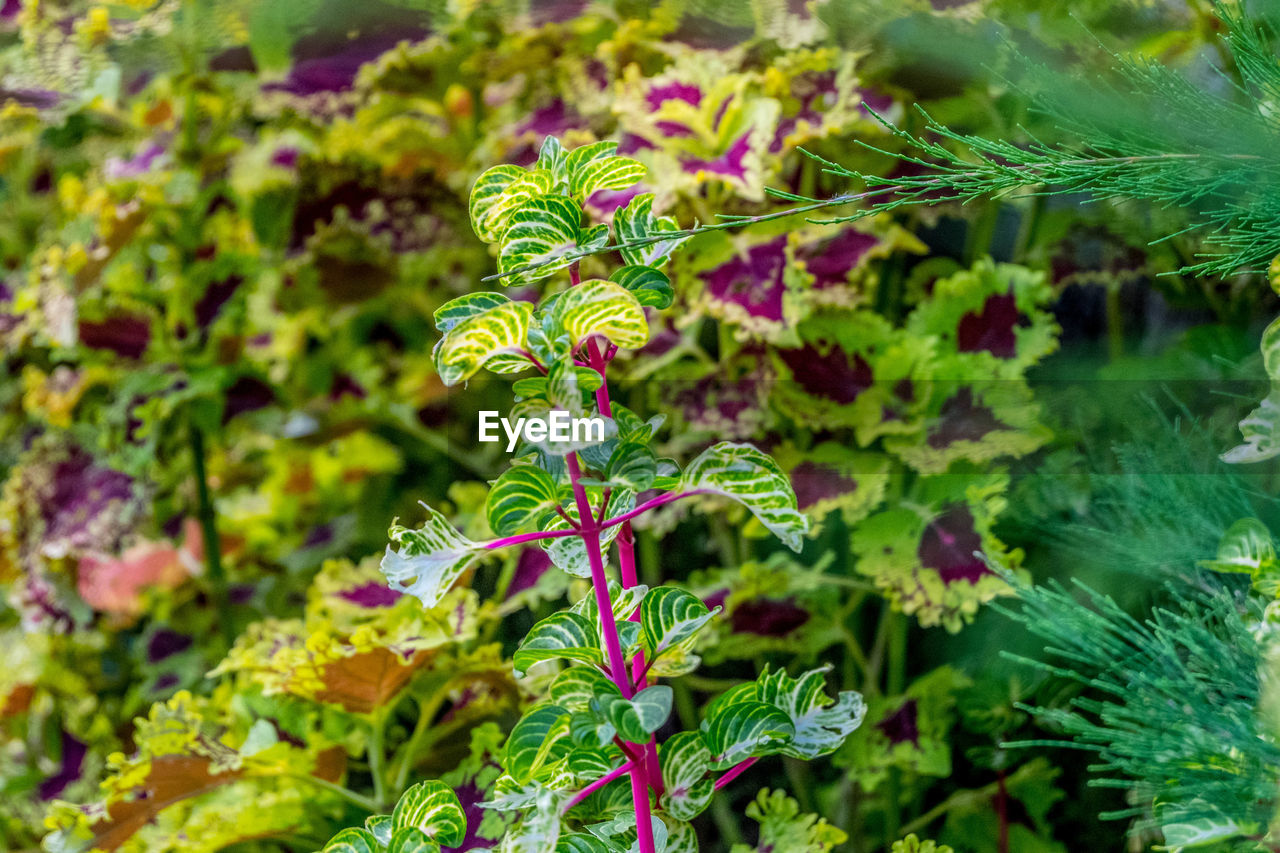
569 553
752 478
740 730
547 232
640 716
604 173
470 345
670 616
685 763
352 840
465 307
821 725
574 688
551 158
432 807
411 840
682 837
519 499
498 192
651 287
429 560
625 601
599 307
636 222
564 635
529 744
632 465
380 826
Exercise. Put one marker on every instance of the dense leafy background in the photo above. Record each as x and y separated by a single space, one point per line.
225 228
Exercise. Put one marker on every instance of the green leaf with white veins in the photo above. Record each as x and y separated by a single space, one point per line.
740 730
519 499
465 307
632 465
411 840
642 715
752 478
352 840
637 222
547 232
651 287
432 807
604 173
669 616
527 745
599 307
569 553
561 636
625 601
574 688
500 191
429 560
685 763
495 333
821 725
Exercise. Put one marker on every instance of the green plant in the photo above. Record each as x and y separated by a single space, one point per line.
583 768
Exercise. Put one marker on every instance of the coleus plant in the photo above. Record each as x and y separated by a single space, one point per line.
583 769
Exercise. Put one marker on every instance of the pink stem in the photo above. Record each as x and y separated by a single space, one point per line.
507 541
640 779
734 772
598 784
652 504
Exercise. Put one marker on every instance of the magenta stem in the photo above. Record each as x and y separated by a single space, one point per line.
734 772
598 784
652 504
507 541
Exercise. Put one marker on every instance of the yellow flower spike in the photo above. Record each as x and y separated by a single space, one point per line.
95 28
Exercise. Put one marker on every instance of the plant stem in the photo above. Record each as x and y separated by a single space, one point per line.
590 533
426 713
734 772
209 532
894 685
598 784
376 756
346 793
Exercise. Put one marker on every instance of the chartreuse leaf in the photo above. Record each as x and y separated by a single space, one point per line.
1247 548
820 724
600 307
496 333
519 499
669 616
433 808
429 560
410 839
685 762
604 173
547 232
637 222
784 827
465 307
551 157
752 478
353 840
498 192
742 729
651 287
532 741
1260 429
583 154
565 635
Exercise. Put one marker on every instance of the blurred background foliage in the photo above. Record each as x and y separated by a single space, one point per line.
225 226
